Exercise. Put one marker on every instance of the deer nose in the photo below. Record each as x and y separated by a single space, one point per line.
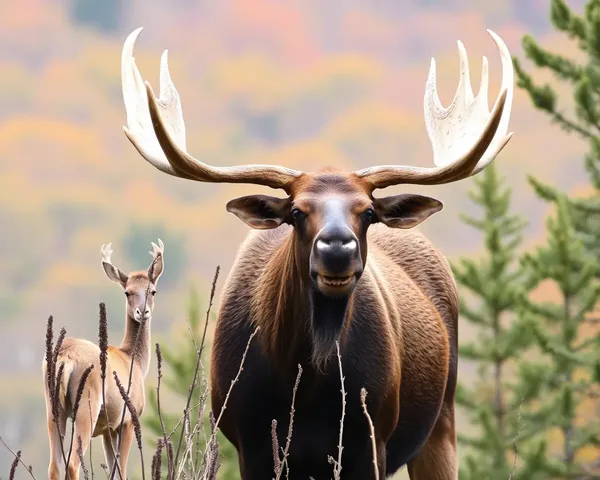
147 312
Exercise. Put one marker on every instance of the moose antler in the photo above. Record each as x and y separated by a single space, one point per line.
465 137
156 129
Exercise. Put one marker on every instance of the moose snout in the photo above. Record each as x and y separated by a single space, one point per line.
336 253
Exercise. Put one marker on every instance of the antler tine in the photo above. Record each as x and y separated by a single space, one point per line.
106 251
157 249
156 128
139 128
465 137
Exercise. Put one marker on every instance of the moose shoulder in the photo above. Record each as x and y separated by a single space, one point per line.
303 277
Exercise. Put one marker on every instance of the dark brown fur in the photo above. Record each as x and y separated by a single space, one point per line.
398 339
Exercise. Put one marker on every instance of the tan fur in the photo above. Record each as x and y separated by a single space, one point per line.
78 354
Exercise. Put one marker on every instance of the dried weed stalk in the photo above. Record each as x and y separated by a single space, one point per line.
363 401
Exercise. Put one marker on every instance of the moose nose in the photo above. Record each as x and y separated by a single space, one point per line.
335 251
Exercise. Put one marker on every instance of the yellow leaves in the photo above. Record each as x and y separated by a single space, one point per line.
253 78
68 275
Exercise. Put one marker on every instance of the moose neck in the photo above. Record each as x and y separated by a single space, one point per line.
140 333
299 324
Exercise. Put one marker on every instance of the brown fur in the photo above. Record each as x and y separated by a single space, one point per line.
78 354
397 339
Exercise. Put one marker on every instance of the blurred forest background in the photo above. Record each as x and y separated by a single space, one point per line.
298 83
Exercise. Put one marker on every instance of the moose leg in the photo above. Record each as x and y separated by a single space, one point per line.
437 458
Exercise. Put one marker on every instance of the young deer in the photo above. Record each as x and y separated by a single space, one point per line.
76 355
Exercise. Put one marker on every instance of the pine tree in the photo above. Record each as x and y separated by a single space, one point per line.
567 370
495 283
178 367
584 77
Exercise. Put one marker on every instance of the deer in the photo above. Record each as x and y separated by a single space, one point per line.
329 266
94 417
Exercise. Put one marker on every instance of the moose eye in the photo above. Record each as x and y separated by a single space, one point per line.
298 214
368 214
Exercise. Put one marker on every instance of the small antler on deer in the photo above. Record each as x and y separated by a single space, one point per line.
157 249
106 251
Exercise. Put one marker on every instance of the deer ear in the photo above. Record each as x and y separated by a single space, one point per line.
115 274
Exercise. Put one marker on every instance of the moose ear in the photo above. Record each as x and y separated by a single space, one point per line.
405 211
261 211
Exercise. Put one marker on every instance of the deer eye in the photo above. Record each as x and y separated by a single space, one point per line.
127 294
368 214
153 292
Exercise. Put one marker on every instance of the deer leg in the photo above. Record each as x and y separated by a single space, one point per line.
126 440
110 447
437 459
87 416
55 439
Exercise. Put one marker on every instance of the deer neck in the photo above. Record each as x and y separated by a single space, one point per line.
140 351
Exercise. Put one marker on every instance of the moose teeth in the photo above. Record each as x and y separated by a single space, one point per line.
336 282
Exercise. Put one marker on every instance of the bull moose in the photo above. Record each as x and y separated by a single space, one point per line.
303 277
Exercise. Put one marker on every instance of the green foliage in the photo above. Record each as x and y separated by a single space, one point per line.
584 78
496 286
178 365
569 356
104 14
175 252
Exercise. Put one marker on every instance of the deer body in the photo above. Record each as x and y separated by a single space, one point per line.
94 417
338 265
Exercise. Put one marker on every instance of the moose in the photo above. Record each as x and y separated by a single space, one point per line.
94 417
303 277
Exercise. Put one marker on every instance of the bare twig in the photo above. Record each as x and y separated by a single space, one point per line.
13 467
363 401
288 439
157 461
135 419
91 430
51 377
159 410
212 441
275 443
337 464
103 345
198 361
20 460
80 389
86 474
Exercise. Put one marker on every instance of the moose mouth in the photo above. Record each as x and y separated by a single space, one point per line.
335 281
